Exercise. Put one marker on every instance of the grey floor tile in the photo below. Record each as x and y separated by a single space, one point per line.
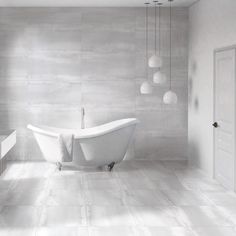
19 216
102 197
165 231
205 216
215 231
229 211
63 216
203 184
63 197
62 231
102 184
17 231
112 231
145 197
110 216
221 198
68 182
138 198
156 216
3 196
32 197
168 183
187 198
136 183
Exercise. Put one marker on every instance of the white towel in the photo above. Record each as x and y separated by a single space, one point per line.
66 145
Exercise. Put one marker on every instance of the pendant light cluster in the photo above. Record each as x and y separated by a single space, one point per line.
155 61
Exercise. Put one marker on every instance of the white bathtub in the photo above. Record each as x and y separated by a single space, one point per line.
97 146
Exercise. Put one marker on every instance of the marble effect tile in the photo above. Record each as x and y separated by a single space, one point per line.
66 216
110 216
17 232
114 231
146 197
104 197
166 231
202 216
69 182
33 197
168 183
61 197
158 172
37 199
3 197
62 231
101 184
19 216
228 211
216 231
205 184
187 198
221 198
156 216
136 183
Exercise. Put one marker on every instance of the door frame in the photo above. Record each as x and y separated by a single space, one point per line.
231 47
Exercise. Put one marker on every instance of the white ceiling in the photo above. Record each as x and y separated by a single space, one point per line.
88 3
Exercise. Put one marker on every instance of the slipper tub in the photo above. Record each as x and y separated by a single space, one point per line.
98 146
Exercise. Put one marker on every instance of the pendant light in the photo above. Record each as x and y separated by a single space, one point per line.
170 97
155 60
146 87
159 77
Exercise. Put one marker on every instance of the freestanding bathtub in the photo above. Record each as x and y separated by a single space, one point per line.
98 146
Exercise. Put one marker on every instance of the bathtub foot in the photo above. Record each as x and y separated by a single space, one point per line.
59 166
110 166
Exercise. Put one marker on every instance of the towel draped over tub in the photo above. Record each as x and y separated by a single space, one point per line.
62 138
66 147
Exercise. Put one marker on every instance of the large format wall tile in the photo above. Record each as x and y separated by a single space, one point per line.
56 115
110 95
107 41
54 61
14 66
46 38
54 93
107 66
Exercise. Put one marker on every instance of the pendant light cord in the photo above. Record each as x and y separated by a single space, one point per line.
170 43
147 39
155 27
159 13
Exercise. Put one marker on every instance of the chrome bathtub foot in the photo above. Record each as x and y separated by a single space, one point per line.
111 166
59 166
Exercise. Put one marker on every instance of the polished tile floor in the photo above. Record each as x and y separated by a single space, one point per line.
159 198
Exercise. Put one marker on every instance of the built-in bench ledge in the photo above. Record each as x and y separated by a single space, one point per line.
7 142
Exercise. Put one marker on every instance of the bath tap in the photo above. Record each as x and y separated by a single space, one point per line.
82 118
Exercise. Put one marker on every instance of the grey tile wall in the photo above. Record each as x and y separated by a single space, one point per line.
53 61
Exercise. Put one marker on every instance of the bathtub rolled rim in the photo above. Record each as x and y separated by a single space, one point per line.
43 131
105 128
88 132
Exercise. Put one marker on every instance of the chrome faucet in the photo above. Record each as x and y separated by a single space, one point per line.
82 118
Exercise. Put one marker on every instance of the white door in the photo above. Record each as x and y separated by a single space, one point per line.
224 123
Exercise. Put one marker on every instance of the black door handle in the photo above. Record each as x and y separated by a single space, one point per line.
215 124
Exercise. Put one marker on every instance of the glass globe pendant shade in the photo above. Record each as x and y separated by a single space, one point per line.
170 97
146 88
159 78
155 61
